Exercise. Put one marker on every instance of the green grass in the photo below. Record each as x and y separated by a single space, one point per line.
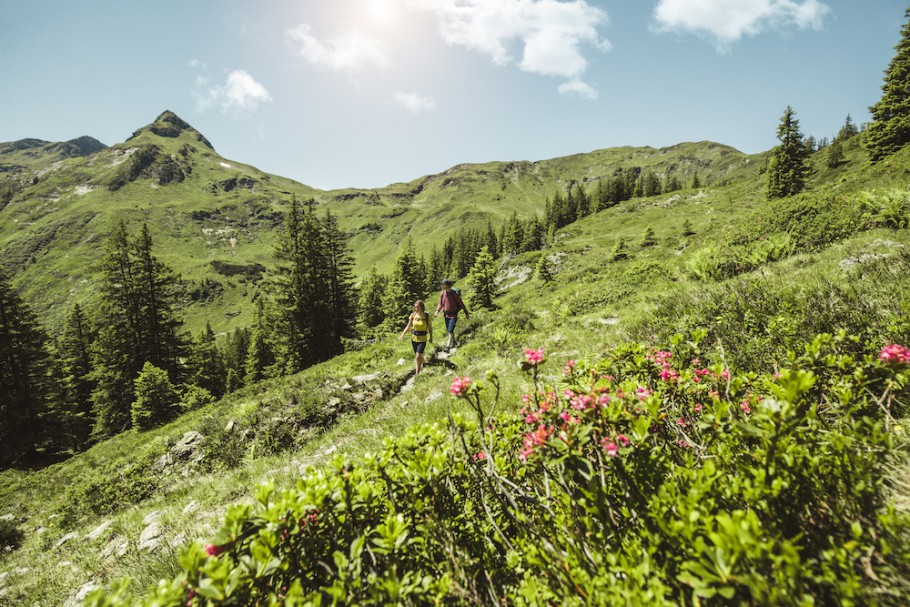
592 303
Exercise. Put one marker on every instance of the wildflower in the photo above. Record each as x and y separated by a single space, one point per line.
745 407
534 357
213 550
661 357
582 402
570 366
480 455
603 400
610 448
698 408
532 440
895 354
643 392
623 440
668 373
460 386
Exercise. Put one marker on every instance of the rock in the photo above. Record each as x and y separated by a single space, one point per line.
400 361
230 426
69 536
433 396
609 321
188 445
83 592
178 540
151 517
117 547
164 461
8 518
347 387
191 507
366 378
865 258
333 402
96 533
150 538
3 577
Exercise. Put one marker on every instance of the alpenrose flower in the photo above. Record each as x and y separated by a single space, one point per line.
535 357
213 550
895 354
460 386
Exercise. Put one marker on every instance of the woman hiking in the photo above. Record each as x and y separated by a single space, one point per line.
421 328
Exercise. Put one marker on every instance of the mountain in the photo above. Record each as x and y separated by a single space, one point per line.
214 219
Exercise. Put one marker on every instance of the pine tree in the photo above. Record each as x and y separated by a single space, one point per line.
687 228
404 286
889 130
372 294
206 365
76 358
260 360
136 313
696 182
647 239
847 131
234 350
787 168
482 280
26 382
342 293
835 154
620 250
156 398
543 269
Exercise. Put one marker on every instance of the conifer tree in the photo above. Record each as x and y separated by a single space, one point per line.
260 360
647 239
372 294
138 325
835 154
482 280
341 290
156 398
234 350
404 286
206 365
787 168
76 358
26 382
848 130
543 269
889 129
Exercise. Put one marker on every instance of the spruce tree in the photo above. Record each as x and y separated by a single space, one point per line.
787 168
341 290
543 269
76 358
206 365
834 157
889 129
26 382
482 280
260 360
156 398
404 286
372 294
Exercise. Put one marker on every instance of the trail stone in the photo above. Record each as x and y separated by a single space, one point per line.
366 378
96 533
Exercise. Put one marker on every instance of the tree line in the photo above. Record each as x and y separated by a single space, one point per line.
129 364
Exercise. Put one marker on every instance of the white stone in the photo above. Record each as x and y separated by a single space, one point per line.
96 533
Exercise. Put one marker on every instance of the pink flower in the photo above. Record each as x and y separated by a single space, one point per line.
698 408
623 440
460 386
668 373
661 357
895 354
570 366
534 357
610 448
745 407
480 455
213 550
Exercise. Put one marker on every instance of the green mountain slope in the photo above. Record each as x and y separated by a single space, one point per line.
839 261
214 220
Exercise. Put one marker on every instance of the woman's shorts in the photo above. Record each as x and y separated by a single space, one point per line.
419 346
450 323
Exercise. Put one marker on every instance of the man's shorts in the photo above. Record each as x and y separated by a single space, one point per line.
450 323
419 346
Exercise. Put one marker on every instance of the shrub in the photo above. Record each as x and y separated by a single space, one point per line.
649 477
195 397
10 535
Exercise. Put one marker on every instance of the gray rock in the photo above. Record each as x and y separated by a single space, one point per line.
117 547
188 445
69 536
151 517
9 518
151 537
230 426
98 531
366 378
83 592
191 507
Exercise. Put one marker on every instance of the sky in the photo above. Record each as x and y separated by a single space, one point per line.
365 93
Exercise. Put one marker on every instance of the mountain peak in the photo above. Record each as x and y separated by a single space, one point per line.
169 124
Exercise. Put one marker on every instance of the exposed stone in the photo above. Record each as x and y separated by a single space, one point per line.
366 378
151 517
191 507
151 537
98 531
83 592
117 547
177 540
69 536
188 445
400 361
8 518
230 426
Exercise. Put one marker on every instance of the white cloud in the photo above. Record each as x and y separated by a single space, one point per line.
550 33
239 92
578 88
727 21
349 52
414 102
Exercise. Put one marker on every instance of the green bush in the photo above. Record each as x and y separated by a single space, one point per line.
649 477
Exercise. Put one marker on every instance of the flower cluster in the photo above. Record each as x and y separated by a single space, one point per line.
535 439
895 354
460 386
213 550
535 357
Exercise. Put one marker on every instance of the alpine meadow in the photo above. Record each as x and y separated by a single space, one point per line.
683 377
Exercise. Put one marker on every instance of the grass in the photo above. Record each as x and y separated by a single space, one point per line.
592 302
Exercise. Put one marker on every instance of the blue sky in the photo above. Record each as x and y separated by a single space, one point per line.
363 93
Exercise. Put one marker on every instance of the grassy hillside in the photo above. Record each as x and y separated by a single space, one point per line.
752 279
215 219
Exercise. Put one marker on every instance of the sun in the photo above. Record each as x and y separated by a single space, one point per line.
381 10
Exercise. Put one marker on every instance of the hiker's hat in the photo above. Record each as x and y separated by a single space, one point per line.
447 281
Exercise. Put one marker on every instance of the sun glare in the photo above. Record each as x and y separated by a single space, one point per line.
381 10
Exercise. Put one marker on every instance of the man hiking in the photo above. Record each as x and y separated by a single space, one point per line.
451 304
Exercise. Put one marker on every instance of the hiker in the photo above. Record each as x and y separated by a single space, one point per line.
451 304
421 328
